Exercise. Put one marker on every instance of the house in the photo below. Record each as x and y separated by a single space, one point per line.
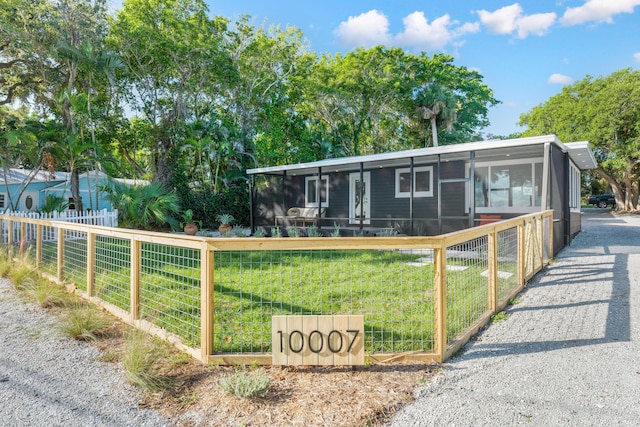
89 184
429 191
23 190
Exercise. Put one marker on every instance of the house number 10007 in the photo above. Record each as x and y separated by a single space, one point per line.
297 345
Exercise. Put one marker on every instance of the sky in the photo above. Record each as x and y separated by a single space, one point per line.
526 51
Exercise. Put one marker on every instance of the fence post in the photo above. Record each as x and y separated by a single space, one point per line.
440 301
206 303
91 262
521 254
38 245
23 237
10 236
61 237
134 303
493 269
540 238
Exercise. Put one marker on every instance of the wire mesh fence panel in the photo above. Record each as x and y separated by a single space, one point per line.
507 261
388 287
49 259
170 290
75 257
113 271
467 285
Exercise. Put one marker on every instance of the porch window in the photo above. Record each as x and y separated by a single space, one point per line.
311 191
72 204
574 188
1 201
423 182
508 185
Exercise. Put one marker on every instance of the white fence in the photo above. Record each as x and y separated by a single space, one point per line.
104 218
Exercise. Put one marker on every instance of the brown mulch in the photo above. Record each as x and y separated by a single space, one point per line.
302 396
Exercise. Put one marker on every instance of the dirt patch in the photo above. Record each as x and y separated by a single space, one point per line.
309 396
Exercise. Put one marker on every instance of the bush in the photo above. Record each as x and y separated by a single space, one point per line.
246 384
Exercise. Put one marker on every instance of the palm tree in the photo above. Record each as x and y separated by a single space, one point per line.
436 101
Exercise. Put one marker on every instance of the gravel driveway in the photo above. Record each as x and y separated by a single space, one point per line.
569 352
50 380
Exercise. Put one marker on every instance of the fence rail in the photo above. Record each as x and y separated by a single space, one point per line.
421 297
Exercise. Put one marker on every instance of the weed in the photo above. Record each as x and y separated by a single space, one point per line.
499 317
140 357
84 323
514 301
246 384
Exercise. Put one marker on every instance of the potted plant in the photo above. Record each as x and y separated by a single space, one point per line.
225 221
189 224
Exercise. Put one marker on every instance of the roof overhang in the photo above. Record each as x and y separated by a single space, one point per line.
580 151
582 155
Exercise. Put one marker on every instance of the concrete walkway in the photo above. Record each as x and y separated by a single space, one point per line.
568 353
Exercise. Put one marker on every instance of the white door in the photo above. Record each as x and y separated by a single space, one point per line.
359 198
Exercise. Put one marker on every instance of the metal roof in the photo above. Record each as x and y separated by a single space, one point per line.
578 151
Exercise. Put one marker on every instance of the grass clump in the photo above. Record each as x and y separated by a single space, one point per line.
499 317
84 323
23 276
140 360
49 294
246 384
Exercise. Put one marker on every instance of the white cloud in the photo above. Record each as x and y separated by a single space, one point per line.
536 24
372 28
503 20
598 11
559 79
420 34
367 29
510 19
636 56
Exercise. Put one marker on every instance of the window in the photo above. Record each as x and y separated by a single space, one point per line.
311 191
28 203
574 188
1 201
422 178
71 205
509 186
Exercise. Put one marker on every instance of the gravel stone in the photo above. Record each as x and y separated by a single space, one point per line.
568 353
50 380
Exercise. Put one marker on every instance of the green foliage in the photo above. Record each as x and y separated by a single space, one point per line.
293 232
140 360
313 231
150 207
246 384
604 111
499 317
53 203
49 294
260 232
225 218
84 323
276 232
336 230
187 218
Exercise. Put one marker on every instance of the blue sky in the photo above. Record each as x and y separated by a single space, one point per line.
526 51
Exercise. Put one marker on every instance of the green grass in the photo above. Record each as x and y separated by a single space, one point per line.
250 287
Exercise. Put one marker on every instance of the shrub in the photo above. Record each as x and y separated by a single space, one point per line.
246 384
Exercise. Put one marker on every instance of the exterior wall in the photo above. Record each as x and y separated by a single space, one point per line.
34 189
559 198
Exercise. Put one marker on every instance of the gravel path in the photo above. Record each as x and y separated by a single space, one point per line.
569 352
50 380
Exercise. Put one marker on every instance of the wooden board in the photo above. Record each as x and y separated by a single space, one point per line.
317 340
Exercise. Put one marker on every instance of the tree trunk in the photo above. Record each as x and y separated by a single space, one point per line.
434 130
75 190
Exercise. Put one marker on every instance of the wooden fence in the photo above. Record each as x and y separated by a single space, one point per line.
422 298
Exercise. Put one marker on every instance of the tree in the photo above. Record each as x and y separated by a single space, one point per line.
436 101
606 112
